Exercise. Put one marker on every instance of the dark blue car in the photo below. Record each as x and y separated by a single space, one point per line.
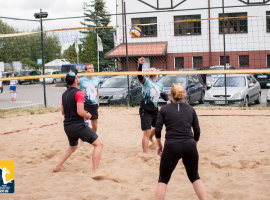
194 88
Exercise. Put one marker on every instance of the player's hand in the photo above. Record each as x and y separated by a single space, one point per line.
141 60
159 150
169 101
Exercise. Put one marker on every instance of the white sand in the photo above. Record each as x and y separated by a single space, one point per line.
128 174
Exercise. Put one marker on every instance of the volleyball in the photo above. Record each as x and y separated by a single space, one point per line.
135 31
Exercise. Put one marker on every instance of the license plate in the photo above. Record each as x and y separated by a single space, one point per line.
103 101
262 76
219 102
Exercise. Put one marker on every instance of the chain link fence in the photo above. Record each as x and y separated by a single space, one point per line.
193 40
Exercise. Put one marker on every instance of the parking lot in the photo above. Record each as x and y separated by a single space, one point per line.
31 95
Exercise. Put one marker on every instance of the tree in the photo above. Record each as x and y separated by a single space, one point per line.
27 48
98 17
70 54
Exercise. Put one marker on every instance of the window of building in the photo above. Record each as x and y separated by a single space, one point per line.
222 60
268 21
244 61
235 23
147 30
189 27
179 62
268 61
197 61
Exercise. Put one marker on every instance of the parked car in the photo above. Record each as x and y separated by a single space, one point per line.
263 78
201 77
242 89
211 78
51 80
268 98
114 91
8 74
29 73
1 83
194 89
102 79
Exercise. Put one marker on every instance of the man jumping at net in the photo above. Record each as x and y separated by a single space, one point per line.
151 91
73 109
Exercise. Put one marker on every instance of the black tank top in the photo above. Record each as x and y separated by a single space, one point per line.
70 107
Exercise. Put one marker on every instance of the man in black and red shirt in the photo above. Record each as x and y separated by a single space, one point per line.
73 109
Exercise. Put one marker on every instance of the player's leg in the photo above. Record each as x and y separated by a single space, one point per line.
154 120
90 136
11 92
94 124
200 190
14 93
169 159
146 121
145 140
70 131
94 118
98 146
190 161
65 155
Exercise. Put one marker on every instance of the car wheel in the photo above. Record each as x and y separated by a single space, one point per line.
258 101
201 101
20 82
246 102
31 81
54 81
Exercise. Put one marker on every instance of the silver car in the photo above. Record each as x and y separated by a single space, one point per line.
242 89
211 78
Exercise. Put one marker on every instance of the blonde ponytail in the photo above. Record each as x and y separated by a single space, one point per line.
178 92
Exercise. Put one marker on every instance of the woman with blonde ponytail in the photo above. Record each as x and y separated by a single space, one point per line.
181 142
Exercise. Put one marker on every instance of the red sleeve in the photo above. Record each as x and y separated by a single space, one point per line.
79 97
61 103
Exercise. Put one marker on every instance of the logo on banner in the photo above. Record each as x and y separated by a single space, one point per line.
7 176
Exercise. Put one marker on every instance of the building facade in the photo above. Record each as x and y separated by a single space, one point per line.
190 34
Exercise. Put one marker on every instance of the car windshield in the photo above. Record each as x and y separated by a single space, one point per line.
48 73
24 73
167 81
231 82
115 83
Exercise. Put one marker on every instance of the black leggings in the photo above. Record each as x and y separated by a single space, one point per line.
172 153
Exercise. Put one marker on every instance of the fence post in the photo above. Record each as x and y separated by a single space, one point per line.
126 52
224 44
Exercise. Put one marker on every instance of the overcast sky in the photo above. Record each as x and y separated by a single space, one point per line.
56 8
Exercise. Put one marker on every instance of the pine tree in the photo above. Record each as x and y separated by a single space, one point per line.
95 18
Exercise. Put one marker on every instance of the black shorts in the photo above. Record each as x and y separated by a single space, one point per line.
79 130
172 153
93 110
148 118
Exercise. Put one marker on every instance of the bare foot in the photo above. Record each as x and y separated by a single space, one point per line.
56 169
100 175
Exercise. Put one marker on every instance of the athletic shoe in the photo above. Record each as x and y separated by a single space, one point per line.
12 99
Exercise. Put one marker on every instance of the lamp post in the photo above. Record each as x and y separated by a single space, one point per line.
40 16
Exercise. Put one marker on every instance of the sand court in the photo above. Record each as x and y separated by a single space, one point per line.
234 158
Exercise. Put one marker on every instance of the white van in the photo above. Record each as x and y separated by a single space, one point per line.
1 83
51 80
